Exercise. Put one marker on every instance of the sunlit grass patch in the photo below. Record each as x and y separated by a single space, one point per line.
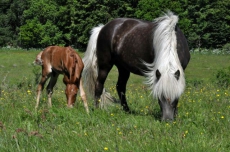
202 123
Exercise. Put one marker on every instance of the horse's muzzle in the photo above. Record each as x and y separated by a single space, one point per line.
168 110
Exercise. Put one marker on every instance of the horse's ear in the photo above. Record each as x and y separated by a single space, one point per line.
176 28
177 74
158 74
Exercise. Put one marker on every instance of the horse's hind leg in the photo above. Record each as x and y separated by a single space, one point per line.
40 87
102 75
121 87
49 88
83 96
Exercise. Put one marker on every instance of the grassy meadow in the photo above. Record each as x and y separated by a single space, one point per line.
203 121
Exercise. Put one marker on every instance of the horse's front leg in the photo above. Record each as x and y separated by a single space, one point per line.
49 88
98 91
121 87
83 96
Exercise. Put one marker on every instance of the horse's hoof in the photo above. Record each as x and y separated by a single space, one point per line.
126 109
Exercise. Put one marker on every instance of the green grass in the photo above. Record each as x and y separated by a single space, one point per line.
203 66
202 123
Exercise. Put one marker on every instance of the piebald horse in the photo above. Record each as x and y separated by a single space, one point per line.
157 50
57 60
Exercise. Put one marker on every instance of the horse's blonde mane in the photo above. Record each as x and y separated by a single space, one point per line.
166 60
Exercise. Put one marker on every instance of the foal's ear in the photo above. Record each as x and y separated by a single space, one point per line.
177 74
158 74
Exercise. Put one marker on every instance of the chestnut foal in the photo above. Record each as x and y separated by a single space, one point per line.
57 60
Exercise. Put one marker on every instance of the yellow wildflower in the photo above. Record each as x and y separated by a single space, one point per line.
106 148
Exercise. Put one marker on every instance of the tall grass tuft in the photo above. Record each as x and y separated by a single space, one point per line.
223 77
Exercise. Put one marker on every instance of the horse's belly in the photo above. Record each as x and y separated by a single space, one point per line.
58 68
134 67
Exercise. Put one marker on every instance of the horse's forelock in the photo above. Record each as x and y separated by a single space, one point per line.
169 87
166 60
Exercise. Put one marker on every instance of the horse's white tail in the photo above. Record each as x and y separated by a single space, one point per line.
90 72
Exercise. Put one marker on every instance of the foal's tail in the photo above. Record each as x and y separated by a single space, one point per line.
90 72
38 59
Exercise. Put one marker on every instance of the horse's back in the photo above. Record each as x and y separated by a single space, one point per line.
61 59
126 41
124 29
52 54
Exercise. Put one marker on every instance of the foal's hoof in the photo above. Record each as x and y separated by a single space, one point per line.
70 106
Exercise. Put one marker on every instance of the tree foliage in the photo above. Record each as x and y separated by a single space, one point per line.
39 23
210 20
10 20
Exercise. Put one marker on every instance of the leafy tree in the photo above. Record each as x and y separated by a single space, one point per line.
39 29
84 15
68 22
10 20
151 9
205 23
39 23
210 23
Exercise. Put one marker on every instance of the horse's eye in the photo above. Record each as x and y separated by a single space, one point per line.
177 74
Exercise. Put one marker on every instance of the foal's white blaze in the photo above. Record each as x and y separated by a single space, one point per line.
49 68
166 61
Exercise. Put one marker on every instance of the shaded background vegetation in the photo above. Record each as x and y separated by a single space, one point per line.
39 23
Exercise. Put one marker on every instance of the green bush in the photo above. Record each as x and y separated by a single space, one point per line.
226 47
223 77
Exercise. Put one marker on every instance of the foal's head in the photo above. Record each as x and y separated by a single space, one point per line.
71 93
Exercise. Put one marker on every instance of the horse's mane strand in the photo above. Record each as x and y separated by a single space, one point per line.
73 65
73 62
166 60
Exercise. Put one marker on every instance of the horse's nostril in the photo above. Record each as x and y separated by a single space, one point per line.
167 119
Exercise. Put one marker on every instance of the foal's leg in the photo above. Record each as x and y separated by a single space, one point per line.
121 87
83 96
45 76
49 88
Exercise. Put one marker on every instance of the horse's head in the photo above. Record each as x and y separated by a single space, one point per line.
169 88
71 93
